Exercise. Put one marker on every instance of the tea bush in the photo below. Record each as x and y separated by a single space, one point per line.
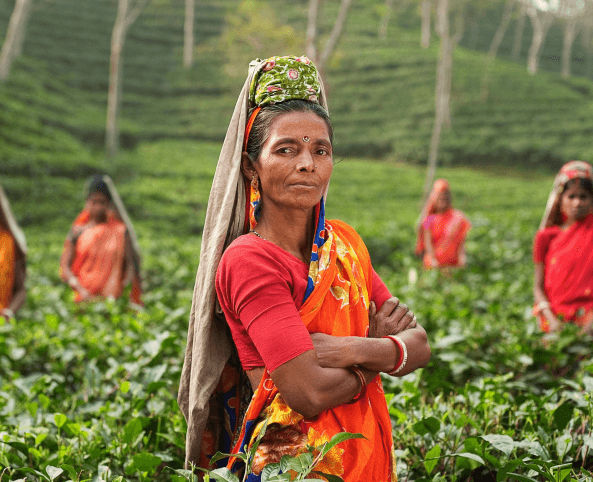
89 392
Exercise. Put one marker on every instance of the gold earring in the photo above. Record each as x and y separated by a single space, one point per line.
255 182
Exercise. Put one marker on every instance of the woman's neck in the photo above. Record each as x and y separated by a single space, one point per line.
290 230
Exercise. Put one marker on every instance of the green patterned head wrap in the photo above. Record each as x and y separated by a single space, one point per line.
284 78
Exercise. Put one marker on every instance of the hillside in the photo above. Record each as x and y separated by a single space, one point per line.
52 109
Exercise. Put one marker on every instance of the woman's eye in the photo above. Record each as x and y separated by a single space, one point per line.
284 150
322 152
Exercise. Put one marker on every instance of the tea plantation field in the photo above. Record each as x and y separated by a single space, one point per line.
89 394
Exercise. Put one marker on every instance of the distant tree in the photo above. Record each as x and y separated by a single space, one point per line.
127 13
507 13
587 36
12 47
188 33
519 27
425 12
322 56
569 12
252 30
448 42
311 34
541 21
386 15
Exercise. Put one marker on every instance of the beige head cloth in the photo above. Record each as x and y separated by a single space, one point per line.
13 227
208 339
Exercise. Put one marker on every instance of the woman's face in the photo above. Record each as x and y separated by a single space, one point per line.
296 163
575 203
442 202
97 204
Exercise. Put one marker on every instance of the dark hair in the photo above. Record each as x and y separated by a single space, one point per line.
585 183
97 184
260 131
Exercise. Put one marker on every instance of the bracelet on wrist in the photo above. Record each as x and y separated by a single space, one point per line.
403 354
541 306
363 384
7 313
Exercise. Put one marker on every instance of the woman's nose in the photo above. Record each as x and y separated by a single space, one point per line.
305 162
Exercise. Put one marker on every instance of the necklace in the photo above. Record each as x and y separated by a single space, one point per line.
257 234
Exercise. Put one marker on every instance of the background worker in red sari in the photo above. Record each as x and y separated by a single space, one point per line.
308 315
13 251
442 230
101 255
563 252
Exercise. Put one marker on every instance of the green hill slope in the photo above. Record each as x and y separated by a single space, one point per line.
52 110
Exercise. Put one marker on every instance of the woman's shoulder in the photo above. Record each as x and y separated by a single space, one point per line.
248 250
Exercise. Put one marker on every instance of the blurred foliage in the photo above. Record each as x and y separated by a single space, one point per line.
253 31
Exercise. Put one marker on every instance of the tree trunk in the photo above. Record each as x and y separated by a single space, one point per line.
311 35
441 97
15 36
494 46
385 19
335 34
502 28
188 34
126 16
426 11
518 42
586 40
541 22
570 32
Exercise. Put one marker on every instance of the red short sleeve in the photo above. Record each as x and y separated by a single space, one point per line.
380 292
255 291
541 242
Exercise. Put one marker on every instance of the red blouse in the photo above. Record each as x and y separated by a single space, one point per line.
260 287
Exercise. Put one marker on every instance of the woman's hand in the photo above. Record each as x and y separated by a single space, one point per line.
333 351
393 318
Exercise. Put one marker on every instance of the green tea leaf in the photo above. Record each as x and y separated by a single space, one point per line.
475 457
60 419
53 472
131 430
521 478
427 425
329 477
70 470
562 415
145 462
299 464
269 470
504 443
218 456
432 458
501 475
337 439
224 475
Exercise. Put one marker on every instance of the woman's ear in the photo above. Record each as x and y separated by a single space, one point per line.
247 166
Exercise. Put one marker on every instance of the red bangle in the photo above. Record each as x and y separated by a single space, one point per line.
403 354
363 384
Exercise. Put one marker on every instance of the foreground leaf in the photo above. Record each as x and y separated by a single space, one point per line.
432 458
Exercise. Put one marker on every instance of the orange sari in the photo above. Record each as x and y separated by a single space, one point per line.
99 257
7 265
338 306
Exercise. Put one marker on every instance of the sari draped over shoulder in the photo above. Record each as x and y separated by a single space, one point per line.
100 251
566 255
568 264
7 266
13 252
447 230
99 255
337 305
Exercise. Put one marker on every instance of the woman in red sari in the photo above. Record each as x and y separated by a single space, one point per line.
13 251
101 256
563 252
442 230
312 324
